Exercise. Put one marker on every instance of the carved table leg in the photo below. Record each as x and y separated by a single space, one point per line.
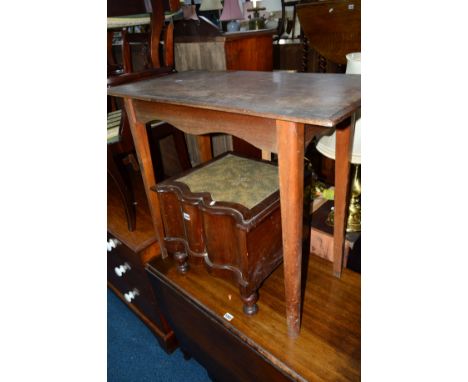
344 137
290 138
140 139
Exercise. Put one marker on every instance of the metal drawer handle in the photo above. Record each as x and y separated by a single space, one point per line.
129 296
121 269
112 243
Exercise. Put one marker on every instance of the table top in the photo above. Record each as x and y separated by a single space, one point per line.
312 98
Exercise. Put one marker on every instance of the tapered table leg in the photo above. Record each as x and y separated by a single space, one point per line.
204 146
140 139
290 137
344 137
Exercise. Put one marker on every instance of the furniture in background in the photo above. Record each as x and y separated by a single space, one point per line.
332 29
277 112
323 24
127 254
201 46
131 245
326 146
146 50
286 25
231 13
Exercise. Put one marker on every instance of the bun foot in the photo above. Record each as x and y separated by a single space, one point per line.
250 303
250 309
182 264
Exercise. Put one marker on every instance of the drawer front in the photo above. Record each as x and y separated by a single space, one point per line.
116 247
126 274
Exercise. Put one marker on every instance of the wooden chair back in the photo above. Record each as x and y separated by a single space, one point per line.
154 40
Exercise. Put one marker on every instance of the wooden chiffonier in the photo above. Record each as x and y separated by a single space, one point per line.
127 254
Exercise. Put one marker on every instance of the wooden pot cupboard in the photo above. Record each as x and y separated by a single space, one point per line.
225 214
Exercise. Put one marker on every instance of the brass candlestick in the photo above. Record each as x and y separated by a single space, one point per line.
354 211
256 22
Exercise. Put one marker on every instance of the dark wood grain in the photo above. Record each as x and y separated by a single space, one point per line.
332 27
252 52
328 348
313 98
117 8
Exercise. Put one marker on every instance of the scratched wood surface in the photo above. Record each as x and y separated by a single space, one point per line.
311 98
328 347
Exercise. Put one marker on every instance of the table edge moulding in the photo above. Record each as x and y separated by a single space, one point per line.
275 111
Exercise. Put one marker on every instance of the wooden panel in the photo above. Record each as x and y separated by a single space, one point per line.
328 348
333 28
313 98
200 56
252 53
199 121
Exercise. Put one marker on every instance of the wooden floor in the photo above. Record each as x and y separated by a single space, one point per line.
328 348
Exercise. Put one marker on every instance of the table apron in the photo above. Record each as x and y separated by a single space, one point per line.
258 131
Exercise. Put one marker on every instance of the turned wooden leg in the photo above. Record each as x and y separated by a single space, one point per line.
140 138
344 137
249 299
290 138
182 263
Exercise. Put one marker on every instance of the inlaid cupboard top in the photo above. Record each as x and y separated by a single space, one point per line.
314 98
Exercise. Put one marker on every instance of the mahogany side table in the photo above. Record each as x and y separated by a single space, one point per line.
278 112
